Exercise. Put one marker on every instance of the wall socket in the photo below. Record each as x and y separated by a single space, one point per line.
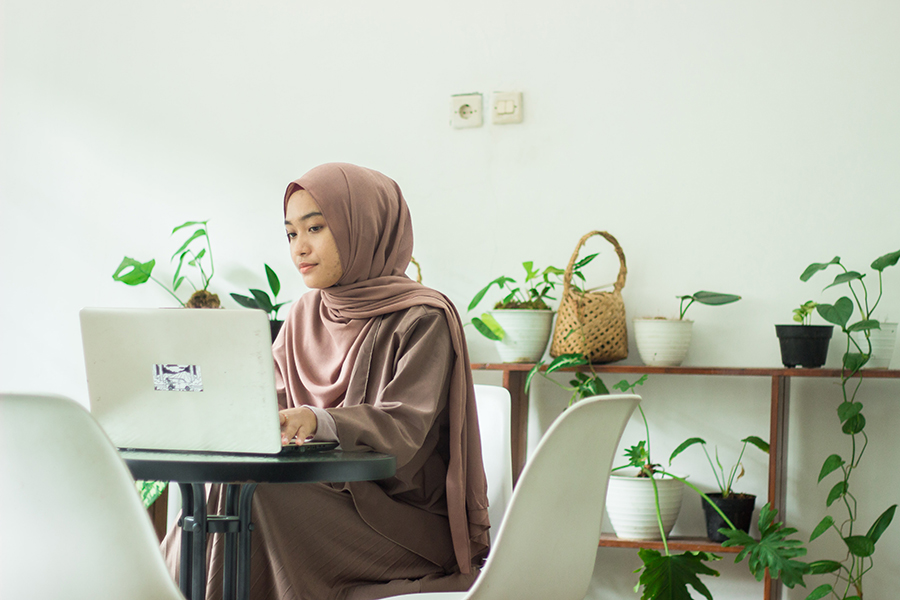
465 111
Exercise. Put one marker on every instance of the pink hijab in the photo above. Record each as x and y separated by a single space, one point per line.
372 228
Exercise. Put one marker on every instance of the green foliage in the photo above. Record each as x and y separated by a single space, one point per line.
260 299
857 561
708 298
134 272
725 482
667 577
804 313
150 491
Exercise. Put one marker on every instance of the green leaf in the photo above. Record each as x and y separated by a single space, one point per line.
714 298
531 373
625 387
499 282
637 455
594 386
881 523
567 360
139 273
758 442
845 278
485 330
584 261
150 491
685 445
839 489
831 464
816 267
820 567
189 224
245 301
774 551
838 313
668 577
262 298
865 325
820 592
196 259
194 236
854 361
177 284
821 528
854 424
530 272
847 410
888 260
860 545
274 283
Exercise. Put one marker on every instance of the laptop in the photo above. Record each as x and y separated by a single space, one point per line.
190 380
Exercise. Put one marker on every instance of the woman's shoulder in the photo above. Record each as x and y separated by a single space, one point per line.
417 315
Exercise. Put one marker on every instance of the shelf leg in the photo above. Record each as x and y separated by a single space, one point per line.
514 381
778 437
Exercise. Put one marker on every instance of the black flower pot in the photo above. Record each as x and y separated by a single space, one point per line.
804 345
737 507
275 327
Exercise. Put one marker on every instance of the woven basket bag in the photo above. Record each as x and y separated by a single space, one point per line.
592 323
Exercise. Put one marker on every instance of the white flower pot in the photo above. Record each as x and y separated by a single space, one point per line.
662 342
883 341
527 334
631 505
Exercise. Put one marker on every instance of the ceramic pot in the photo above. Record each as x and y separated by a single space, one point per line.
737 507
803 345
662 342
883 341
632 508
527 334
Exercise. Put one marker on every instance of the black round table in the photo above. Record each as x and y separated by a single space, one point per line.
241 473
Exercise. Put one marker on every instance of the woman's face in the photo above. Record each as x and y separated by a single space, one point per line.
313 249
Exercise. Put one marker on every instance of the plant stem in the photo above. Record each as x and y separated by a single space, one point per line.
171 293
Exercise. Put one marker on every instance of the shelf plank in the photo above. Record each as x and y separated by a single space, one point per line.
734 371
679 543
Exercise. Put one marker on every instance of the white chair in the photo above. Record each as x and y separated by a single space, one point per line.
494 424
547 544
73 525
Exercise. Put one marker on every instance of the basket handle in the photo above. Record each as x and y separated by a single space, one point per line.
623 270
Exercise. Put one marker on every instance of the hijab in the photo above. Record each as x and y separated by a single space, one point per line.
372 228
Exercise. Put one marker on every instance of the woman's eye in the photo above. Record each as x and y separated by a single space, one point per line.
316 228
291 235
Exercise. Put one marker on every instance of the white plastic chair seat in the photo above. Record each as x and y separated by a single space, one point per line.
494 409
73 525
547 544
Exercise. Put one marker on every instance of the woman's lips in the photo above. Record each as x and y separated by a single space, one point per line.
304 267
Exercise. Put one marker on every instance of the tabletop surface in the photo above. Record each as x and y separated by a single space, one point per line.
208 467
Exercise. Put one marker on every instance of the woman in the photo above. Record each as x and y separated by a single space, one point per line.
377 362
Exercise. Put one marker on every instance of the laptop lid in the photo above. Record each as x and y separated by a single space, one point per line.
182 379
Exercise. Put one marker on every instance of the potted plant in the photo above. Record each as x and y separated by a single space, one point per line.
848 572
521 321
736 506
664 342
804 345
135 272
262 301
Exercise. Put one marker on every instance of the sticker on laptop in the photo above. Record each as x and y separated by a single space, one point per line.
177 378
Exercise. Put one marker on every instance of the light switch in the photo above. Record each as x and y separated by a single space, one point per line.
506 107
465 110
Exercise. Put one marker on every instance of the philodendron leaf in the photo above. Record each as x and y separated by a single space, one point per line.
838 313
881 523
839 489
854 424
715 298
189 224
499 282
854 361
888 260
274 283
262 299
821 528
773 551
845 278
668 577
831 464
584 261
245 301
594 386
758 442
820 567
865 325
816 267
531 373
566 360
847 410
860 545
485 330
685 445
820 592
139 273
194 236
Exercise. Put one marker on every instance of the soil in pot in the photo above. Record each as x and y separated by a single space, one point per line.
737 507
803 345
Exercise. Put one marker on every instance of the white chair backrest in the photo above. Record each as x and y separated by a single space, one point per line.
494 424
74 526
547 544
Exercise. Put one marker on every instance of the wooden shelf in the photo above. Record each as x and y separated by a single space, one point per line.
514 375
679 543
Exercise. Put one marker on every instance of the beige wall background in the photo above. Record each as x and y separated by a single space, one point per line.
726 145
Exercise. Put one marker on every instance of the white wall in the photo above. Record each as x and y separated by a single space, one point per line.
726 144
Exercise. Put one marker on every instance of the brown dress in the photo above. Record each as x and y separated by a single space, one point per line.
365 540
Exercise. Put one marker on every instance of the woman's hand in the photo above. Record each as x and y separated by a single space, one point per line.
297 422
